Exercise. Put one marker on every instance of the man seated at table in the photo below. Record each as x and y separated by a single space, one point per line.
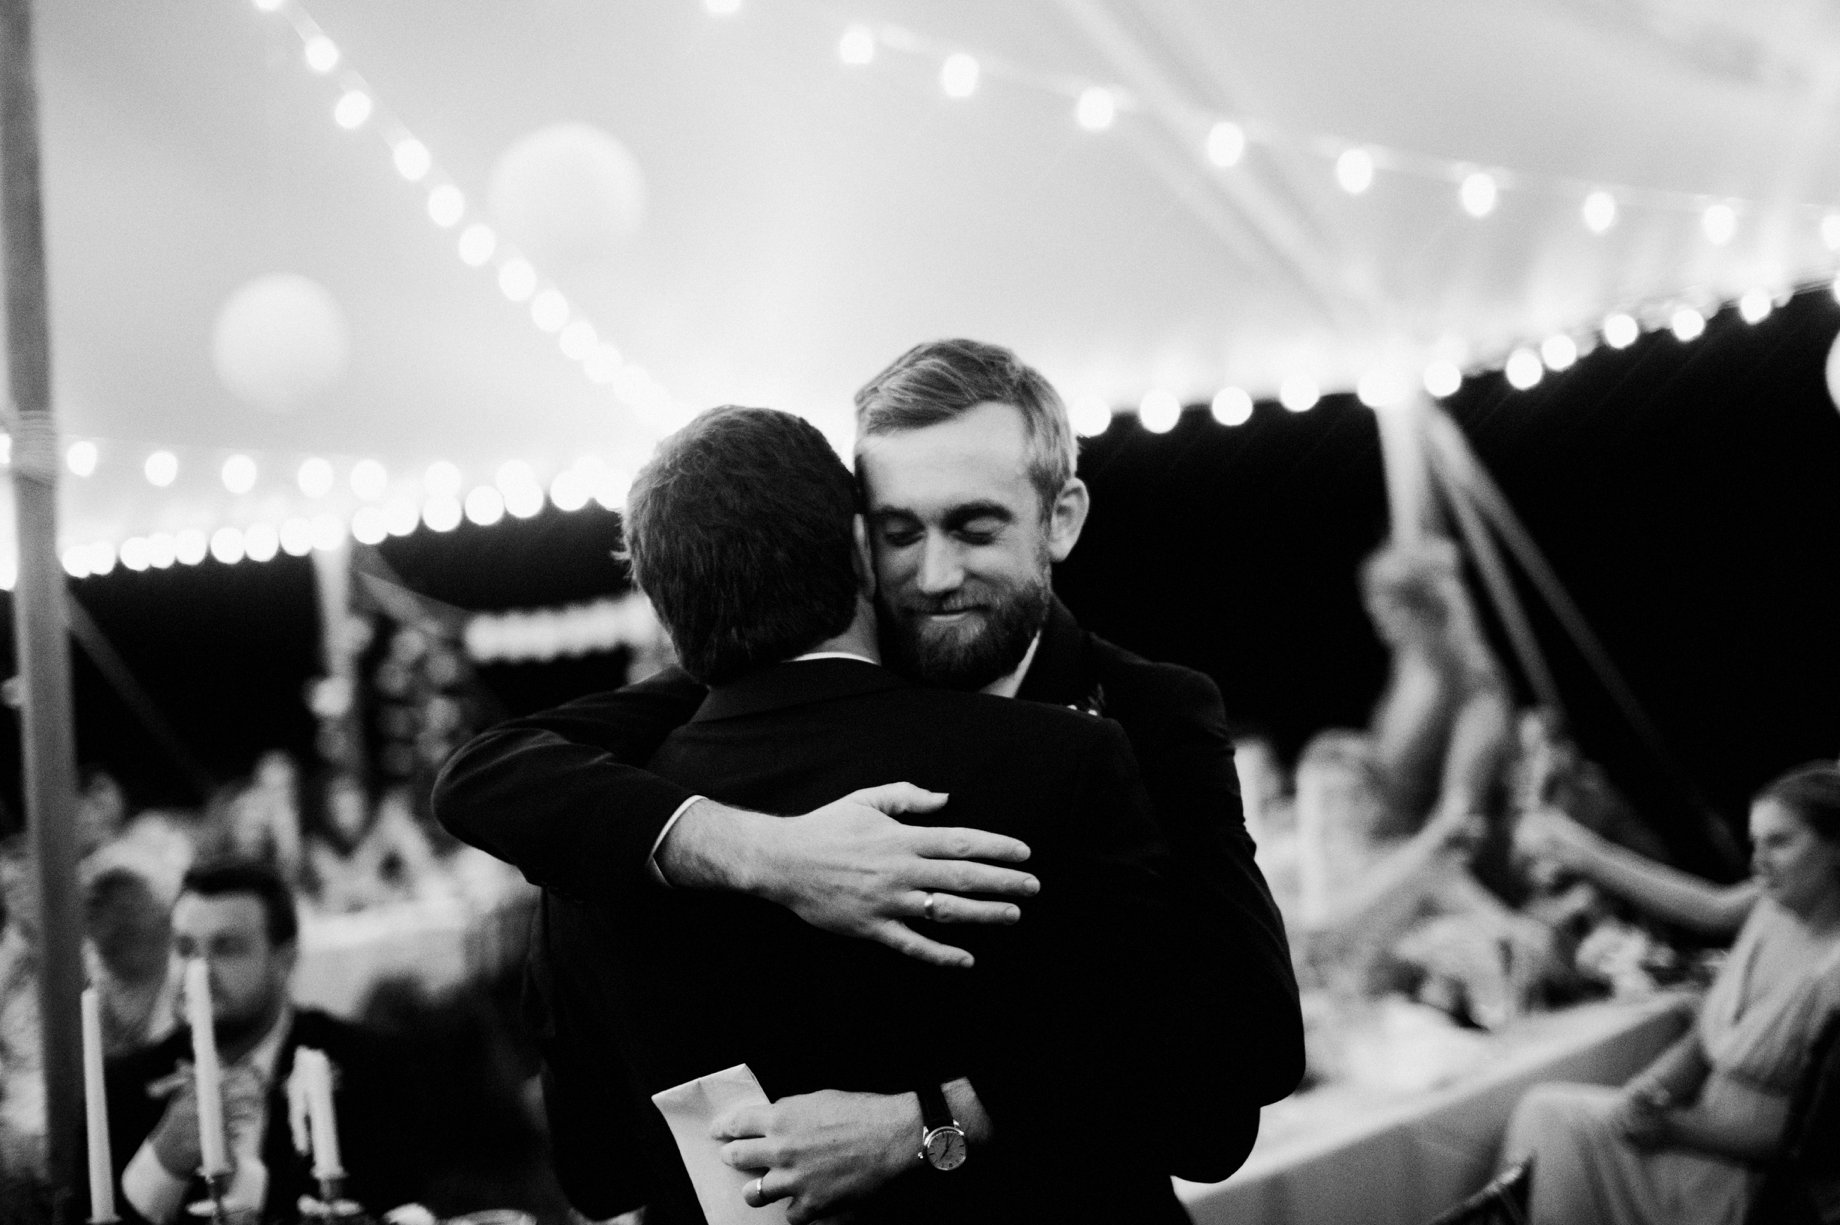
239 918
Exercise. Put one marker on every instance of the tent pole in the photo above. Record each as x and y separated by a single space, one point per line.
39 635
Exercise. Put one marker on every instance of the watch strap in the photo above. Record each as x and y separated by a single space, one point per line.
934 1111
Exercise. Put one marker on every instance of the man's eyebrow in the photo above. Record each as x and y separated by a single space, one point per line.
968 512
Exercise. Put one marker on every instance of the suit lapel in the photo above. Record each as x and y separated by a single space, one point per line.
1059 674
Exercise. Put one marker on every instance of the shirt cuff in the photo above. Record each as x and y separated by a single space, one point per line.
651 860
151 1188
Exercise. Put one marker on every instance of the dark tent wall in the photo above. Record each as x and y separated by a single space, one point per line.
1688 495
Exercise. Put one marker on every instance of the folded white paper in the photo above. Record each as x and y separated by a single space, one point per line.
690 1108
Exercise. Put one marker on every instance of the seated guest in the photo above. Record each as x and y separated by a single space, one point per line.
238 916
1682 1141
130 955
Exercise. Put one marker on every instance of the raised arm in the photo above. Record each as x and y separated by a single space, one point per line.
1658 890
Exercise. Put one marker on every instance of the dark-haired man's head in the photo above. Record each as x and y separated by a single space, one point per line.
238 915
742 532
966 457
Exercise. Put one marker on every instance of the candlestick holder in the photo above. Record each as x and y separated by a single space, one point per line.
217 1185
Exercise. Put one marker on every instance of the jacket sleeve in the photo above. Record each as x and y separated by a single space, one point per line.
1178 729
1133 1022
562 795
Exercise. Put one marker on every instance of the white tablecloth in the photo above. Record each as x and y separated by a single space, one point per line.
438 942
1367 1154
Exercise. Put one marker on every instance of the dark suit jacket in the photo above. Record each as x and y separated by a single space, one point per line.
1081 1020
561 795
374 1100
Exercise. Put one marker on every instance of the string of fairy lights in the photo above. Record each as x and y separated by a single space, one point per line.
437 497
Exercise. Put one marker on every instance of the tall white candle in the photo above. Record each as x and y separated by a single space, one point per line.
96 1108
207 1072
320 1117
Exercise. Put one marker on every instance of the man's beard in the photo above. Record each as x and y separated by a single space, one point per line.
968 656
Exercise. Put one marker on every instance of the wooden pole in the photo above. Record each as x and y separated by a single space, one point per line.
38 609
1402 453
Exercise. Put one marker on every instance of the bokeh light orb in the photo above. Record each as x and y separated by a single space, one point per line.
279 341
567 194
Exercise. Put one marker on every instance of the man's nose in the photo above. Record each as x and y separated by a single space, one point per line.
940 567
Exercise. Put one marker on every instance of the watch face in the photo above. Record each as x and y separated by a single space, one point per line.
945 1148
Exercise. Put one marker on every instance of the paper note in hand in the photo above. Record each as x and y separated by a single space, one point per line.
690 1108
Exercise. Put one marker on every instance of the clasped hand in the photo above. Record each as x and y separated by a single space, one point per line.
175 1140
851 868
821 1151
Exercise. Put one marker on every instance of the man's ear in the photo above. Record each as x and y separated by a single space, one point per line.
1066 517
861 558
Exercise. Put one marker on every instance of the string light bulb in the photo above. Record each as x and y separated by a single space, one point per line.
1097 109
1620 330
190 546
227 545
1354 170
1379 388
549 310
1299 393
239 474
1687 324
1524 369
1755 306
296 536
857 46
1599 212
1090 416
1226 143
443 513
477 242
1559 352
369 479
446 205
578 339
261 542
412 159
353 109
1442 378
82 457
958 76
1231 406
1159 411
322 54
314 478
1478 193
485 505
517 280
1719 222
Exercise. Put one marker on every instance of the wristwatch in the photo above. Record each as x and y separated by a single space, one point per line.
942 1140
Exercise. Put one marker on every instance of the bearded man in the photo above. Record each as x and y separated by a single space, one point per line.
966 461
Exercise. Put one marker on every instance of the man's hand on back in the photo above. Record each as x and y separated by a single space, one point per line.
851 868
822 1151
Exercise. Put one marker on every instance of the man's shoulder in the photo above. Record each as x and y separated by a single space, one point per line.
1147 684
1059 723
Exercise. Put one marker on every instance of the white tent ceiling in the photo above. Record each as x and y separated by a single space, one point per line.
805 220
